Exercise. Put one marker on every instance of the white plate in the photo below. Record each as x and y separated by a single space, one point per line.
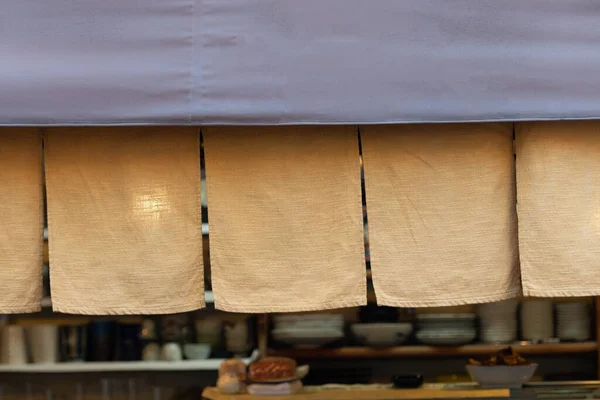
573 322
446 325
494 324
447 338
281 389
564 312
445 317
445 333
498 331
500 325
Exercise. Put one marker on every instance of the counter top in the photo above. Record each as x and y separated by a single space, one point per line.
365 393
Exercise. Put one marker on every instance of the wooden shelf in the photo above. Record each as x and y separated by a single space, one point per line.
433 351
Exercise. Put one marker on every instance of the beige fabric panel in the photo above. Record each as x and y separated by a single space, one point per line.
285 218
124 220
21 220
558 187
441 208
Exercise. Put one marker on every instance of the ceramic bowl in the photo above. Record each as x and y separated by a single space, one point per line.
501 376
196 351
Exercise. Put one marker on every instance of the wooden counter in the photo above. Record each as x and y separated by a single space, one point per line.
212 393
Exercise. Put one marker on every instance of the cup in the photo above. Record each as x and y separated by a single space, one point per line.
151 352
43 340
73 342
172 352
101 341
196 351
129 348
14 349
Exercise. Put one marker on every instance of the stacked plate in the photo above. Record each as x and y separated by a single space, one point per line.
446 329
498 321
573 321
537 320
308 330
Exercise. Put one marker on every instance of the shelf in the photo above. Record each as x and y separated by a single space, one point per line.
433 351
121 366
353 392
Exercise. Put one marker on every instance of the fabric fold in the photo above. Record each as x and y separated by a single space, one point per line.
124 220
285 218
22 221
558 187
441 209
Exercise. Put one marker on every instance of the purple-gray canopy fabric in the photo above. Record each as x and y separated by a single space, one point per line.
297 62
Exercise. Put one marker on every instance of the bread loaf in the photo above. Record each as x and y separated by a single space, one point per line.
233 367
272 369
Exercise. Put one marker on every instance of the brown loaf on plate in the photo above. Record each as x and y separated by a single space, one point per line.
272 369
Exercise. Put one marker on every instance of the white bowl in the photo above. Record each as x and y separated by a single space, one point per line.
446 325
382 334
501 376
196 351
